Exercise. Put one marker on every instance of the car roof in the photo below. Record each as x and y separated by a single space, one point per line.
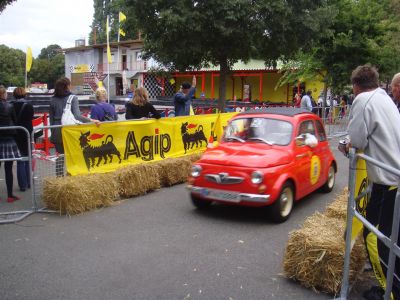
285 111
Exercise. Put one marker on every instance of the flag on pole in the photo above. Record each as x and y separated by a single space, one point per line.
122 17
108 43
28 59
216 132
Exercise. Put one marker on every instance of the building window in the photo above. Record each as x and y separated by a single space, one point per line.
138 56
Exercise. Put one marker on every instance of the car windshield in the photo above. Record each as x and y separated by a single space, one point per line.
263 130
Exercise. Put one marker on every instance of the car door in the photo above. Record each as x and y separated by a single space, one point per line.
303 157
322 151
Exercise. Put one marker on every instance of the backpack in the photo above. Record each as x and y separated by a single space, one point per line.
107 115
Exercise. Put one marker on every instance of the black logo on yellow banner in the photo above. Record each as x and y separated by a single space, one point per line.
189 139
103 152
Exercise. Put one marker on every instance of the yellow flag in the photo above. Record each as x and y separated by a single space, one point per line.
216 132
122 17
172 81
121 32
28 59
108 43
191 111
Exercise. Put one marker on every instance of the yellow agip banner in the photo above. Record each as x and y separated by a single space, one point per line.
91 149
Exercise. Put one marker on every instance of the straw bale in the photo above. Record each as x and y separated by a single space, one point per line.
174 170
137 179
314 254
76 194
338 208
195 156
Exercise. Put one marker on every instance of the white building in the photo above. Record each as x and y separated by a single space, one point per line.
86 65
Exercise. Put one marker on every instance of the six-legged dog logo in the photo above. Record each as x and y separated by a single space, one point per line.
103 152
189 139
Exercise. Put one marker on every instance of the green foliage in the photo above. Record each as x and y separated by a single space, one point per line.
12 62
50 52
104 8
47 70
363 31
4 3
185 35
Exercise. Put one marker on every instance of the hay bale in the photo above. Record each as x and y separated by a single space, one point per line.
76 194
195 156
137 179
314 254
338 208
174 170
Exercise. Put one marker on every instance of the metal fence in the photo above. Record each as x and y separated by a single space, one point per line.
389 242
18 215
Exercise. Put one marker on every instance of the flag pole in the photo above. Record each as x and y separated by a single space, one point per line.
108 61
26 77
119 24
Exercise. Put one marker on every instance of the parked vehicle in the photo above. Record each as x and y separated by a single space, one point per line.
11 89
271 157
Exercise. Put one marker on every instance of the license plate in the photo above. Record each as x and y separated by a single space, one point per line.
224 196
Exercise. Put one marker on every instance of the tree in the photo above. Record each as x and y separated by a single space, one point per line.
47 70
50 51
104 8
361 33
184 35
12 62
4 3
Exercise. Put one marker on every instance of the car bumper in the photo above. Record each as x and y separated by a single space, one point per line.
229 196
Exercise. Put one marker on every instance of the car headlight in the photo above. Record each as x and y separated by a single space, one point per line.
196 171
257 177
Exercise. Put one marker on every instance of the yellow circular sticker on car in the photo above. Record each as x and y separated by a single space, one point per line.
315 169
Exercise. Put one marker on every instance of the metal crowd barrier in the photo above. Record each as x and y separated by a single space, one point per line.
16 216
389 242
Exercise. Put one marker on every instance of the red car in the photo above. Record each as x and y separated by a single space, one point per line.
269 157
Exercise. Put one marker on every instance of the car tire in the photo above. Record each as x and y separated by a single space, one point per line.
198 203
282 208
330 181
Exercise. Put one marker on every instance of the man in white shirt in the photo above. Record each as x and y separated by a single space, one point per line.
306 101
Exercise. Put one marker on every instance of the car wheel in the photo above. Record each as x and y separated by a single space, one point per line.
200 204
330 181
282 208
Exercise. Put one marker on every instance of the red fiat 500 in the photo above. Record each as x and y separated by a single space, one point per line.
269 157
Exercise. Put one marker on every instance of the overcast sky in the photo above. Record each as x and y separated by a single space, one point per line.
39 23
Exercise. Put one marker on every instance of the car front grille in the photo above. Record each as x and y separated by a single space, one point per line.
223 178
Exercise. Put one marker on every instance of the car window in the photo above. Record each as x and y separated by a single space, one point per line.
306 127
320 131
266 130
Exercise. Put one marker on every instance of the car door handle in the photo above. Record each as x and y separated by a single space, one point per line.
301 155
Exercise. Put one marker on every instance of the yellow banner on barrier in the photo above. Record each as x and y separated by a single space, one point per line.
361 206
91 149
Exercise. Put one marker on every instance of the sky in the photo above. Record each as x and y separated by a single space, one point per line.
40 23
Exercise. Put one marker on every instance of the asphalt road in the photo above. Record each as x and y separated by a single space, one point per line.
157 246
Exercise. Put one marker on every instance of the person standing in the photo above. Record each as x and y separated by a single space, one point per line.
140 107
102 110
374 128
306 101
297 100
395 87
24 116
58 102
8 146
183 98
